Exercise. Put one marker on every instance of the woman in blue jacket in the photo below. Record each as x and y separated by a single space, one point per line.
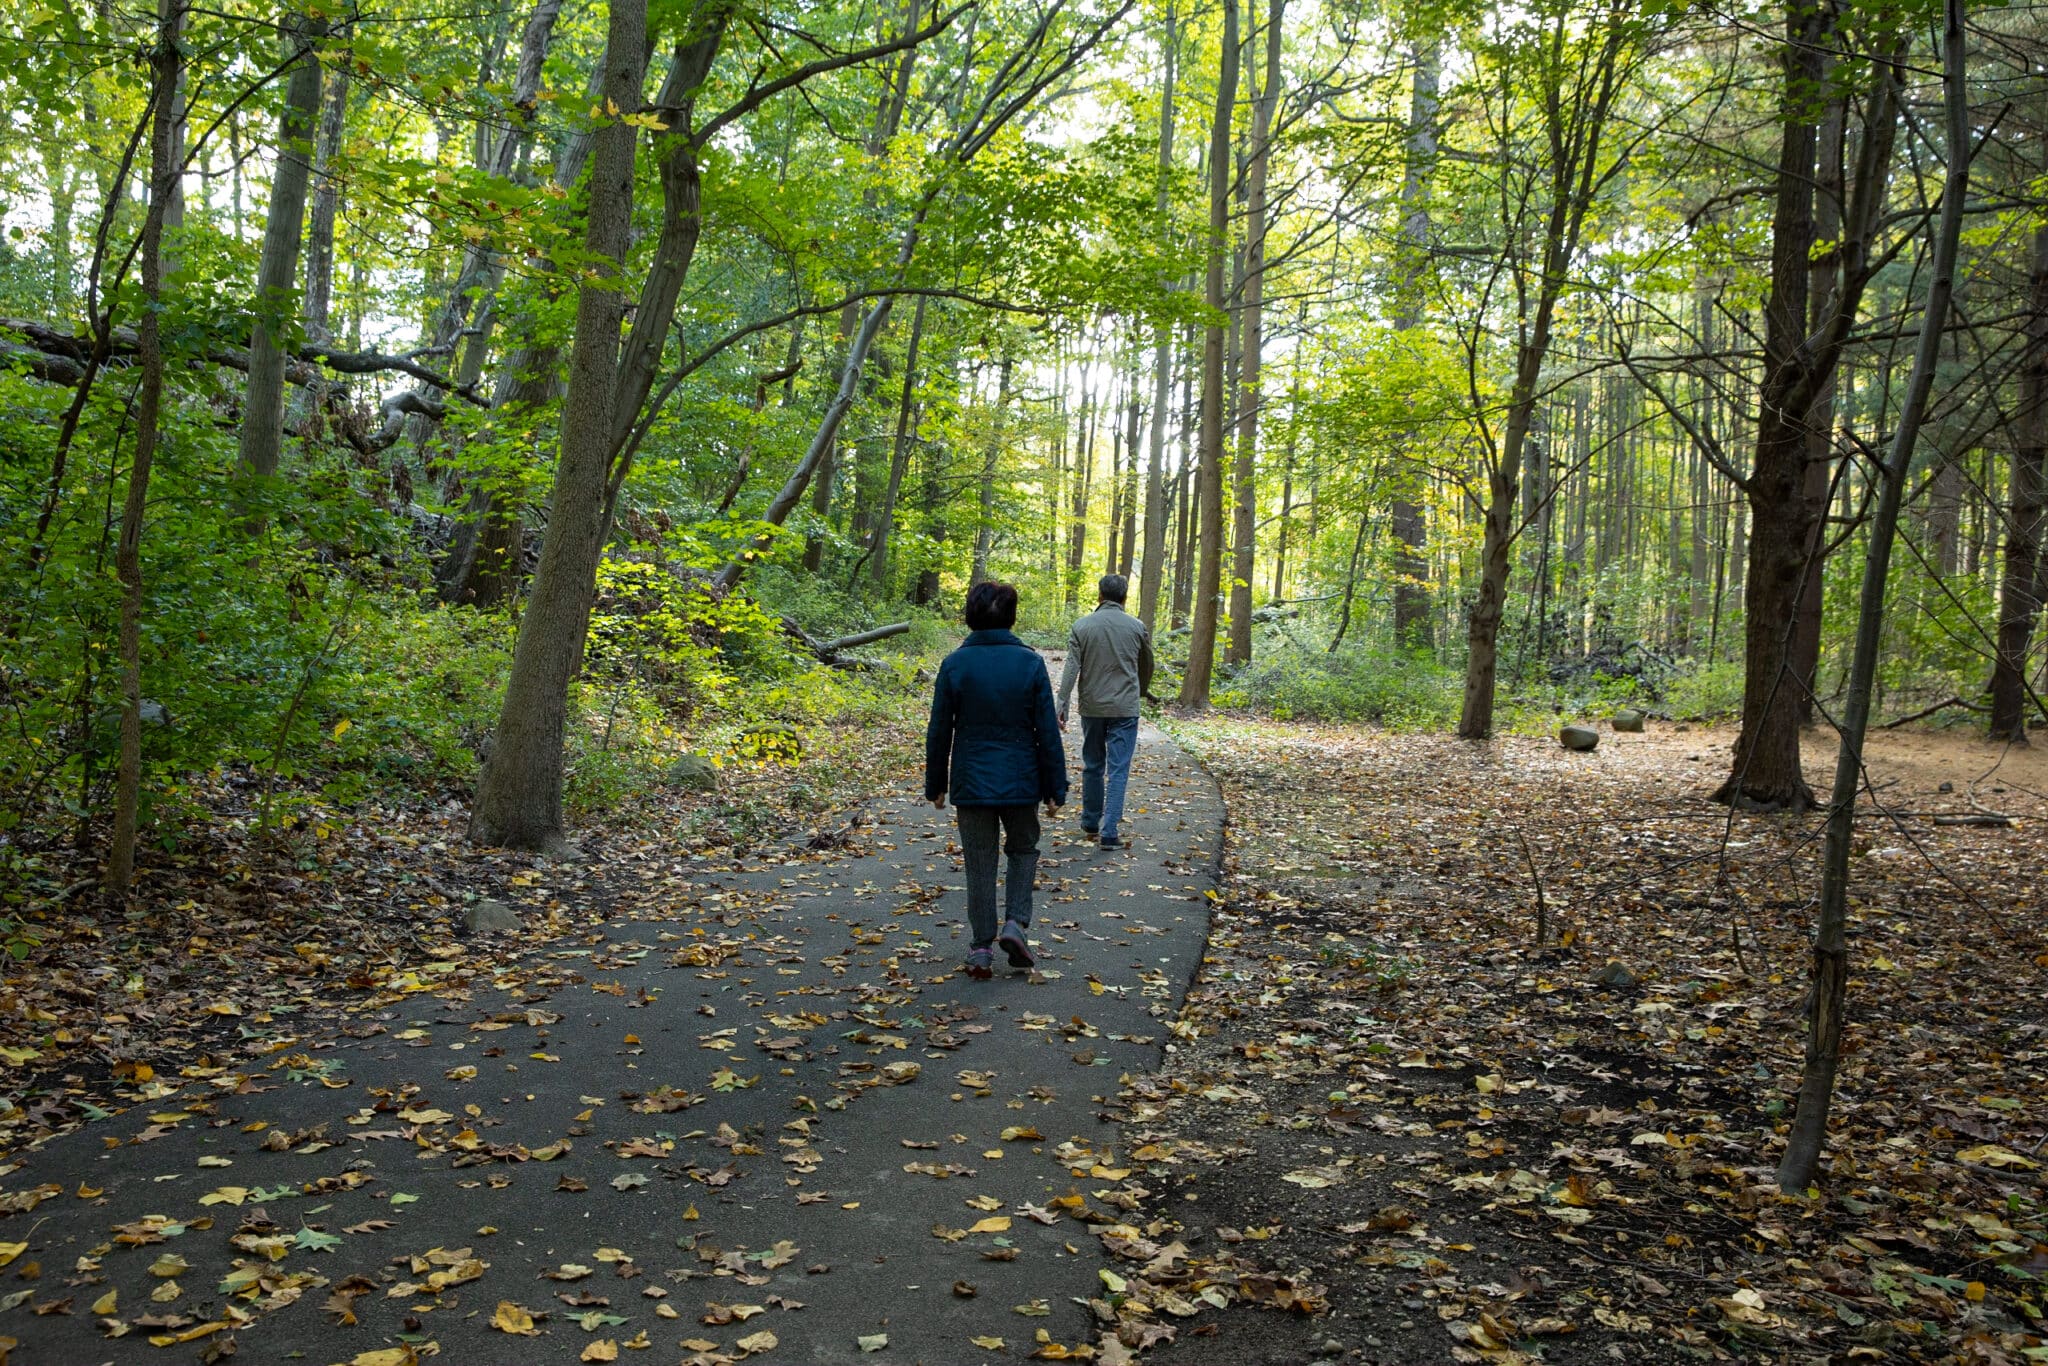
994 744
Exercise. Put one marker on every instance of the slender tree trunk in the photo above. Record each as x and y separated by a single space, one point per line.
326 205
1194 687
1127 494
1572 183
519 800
1827 1000
2020 591
1184 485
1244 532
1412 625
165 66
1152 563
1823 280
985 527
262 433
899 455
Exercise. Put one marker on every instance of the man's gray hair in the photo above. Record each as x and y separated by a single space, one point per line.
1113 588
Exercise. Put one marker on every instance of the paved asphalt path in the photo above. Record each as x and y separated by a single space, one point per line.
805 989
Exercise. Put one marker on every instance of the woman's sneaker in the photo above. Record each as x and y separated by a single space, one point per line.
1013 942
980 964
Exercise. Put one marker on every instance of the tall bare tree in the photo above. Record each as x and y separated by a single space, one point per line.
1244 531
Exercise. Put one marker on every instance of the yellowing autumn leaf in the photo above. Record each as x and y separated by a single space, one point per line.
995 1223
1989 1154
604 1349
763 1341
9 1251
510 1318
385 1356
988 1344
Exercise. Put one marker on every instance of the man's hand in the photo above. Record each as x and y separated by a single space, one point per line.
1052 809
1063 718
939 802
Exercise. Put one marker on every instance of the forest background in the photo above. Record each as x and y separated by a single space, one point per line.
526 410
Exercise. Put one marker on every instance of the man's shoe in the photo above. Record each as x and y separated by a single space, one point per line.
1012 940
1091 831
980 965
1112 842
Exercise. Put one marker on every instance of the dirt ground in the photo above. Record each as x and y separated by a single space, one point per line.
1480 1147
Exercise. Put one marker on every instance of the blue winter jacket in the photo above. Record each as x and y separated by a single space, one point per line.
994 739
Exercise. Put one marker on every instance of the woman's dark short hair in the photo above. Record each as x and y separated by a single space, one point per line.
991 607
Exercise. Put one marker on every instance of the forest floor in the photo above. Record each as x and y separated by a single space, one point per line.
1483 1149
258 1112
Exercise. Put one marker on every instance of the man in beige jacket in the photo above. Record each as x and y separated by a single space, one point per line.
1110 656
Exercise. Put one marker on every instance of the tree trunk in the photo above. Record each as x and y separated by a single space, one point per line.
1823 279
262 433
1573 180
2019 597
1194 687
899 454
1411 560
1827 1003
1244 531
1152 563
1127 492
1785 528
985 527
519 799
326 205
164 159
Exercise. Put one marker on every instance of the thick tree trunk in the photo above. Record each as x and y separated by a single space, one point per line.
1785 525
1244 531
262 433
1827 1009
165 65
1194 687
519 800
2020 591
1412 625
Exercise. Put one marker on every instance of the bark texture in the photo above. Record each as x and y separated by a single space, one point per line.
262 434
1194 687
519 799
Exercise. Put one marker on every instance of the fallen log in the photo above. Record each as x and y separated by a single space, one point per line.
59 357
828 651
859 638
1929 711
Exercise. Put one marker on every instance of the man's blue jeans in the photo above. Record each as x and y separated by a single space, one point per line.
1107 743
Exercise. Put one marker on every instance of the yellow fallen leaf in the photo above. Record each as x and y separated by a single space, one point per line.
604 1349
106 1305
763 1341
225 1195
988 1344
1990 1154
995 1223
386 1356
9 1251
510 1318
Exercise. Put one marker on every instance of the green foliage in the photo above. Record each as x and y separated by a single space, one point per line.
1355 684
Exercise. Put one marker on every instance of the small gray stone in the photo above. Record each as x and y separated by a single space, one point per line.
1578 738
694 771
1615 973
1629 721
1333 1347
490 917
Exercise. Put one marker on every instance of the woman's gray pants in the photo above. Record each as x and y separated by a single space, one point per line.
981 827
